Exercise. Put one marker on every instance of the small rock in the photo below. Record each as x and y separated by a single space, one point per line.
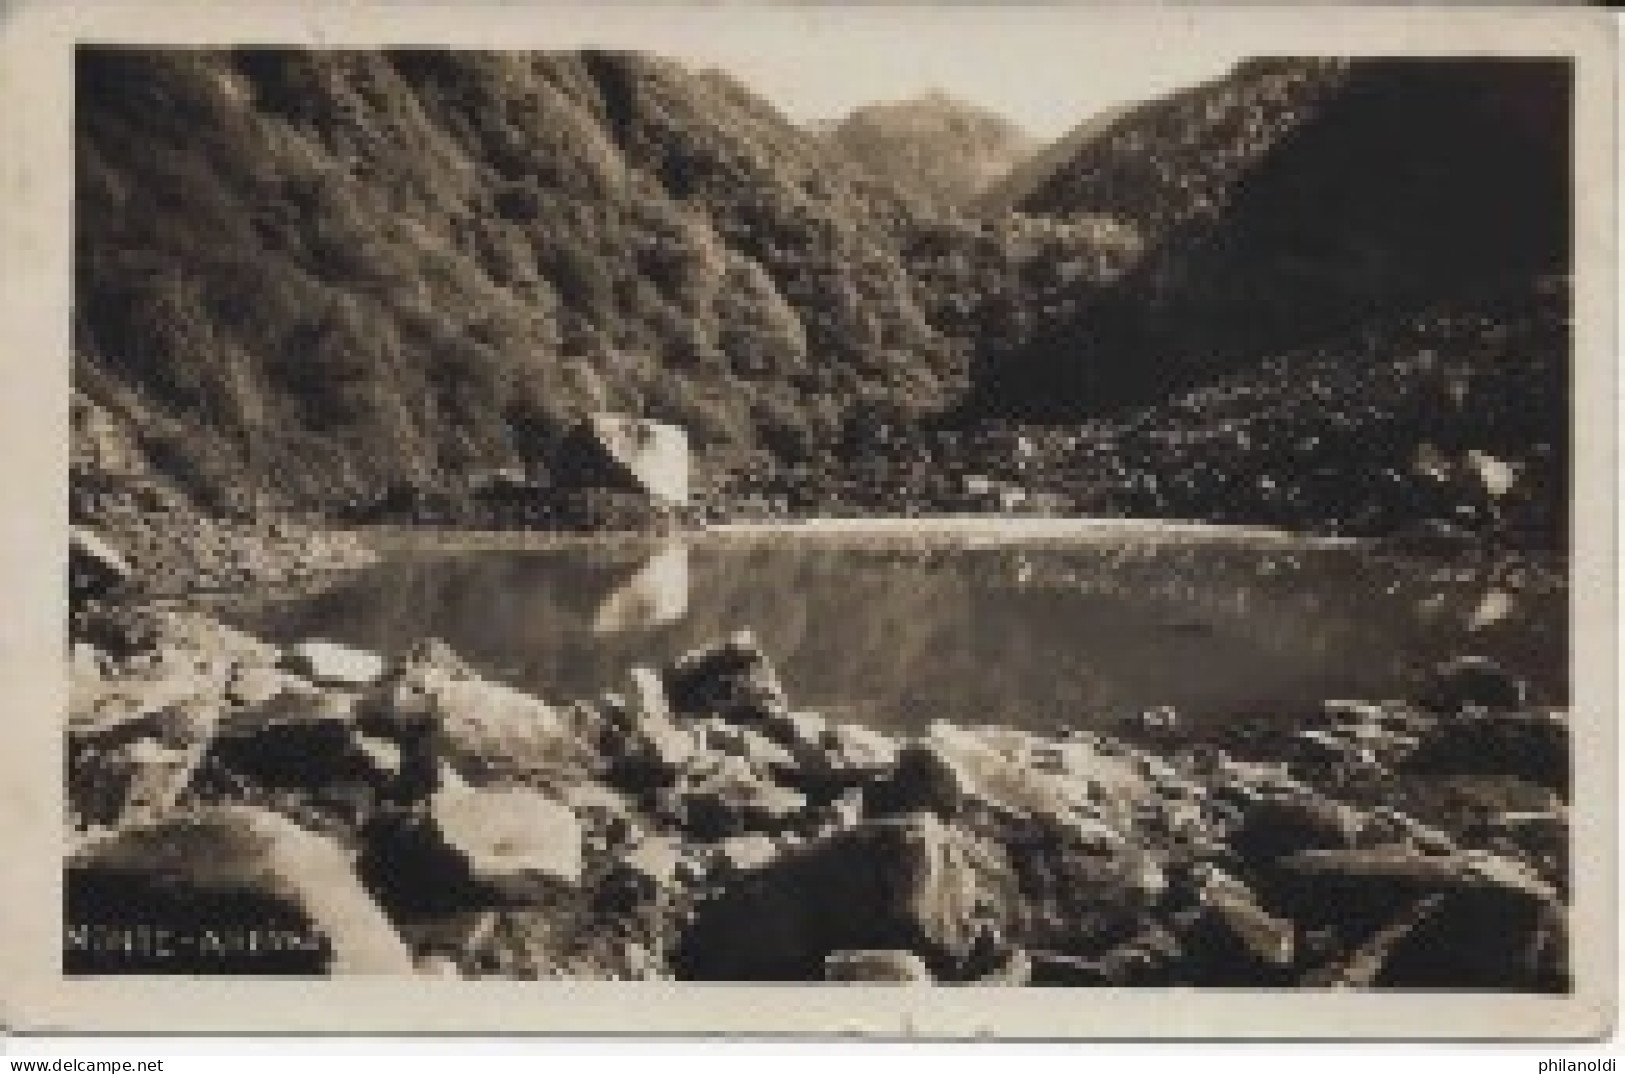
858 748
328 663
255 684
437 966
653 862
733 680
876 967
644 746
1474 680
732 798
742 853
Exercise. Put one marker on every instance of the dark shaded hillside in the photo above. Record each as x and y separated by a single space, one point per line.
1158 164
942 151
1414 181
330 272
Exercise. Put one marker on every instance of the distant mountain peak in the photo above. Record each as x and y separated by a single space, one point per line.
935 147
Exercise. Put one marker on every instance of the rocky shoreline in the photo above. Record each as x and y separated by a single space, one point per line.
240 807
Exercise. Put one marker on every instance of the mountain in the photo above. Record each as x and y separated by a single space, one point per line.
325 273
939 150
1158 164
1008 192
1395 185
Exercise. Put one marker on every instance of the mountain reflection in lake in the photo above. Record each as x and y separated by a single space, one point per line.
1033 635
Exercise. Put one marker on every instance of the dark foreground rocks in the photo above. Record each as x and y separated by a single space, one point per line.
224 890
404 814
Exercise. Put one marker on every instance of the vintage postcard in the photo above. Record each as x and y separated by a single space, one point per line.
1031 521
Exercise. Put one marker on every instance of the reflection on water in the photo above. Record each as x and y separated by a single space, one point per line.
657 594
892 636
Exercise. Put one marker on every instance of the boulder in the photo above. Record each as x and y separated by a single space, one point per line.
1532 746
653 862
1072 897
1360 967
474 848
486 731
632 454
328 663
923 779
742 853
908 883
1372 885
255 684
229 890
1482 939
1022 788
134 771
1276 826
876 967
717 736
730 797
733 680
1234 940
1474 681
643 745
302 739
856 748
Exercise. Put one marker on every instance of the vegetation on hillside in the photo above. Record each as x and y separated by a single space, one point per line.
1404 184
323 277
941 151
340 270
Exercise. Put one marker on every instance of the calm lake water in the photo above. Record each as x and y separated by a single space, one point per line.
1036 635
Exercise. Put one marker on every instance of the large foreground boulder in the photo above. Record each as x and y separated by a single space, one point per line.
475 848
228 890
903 884
1490 923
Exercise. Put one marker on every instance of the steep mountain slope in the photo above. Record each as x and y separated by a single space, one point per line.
1406 183
325 273
1158 164
1008 192
942 151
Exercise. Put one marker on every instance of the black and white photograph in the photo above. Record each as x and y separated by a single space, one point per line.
767 500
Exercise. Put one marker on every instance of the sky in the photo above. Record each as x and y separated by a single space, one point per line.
1047 69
